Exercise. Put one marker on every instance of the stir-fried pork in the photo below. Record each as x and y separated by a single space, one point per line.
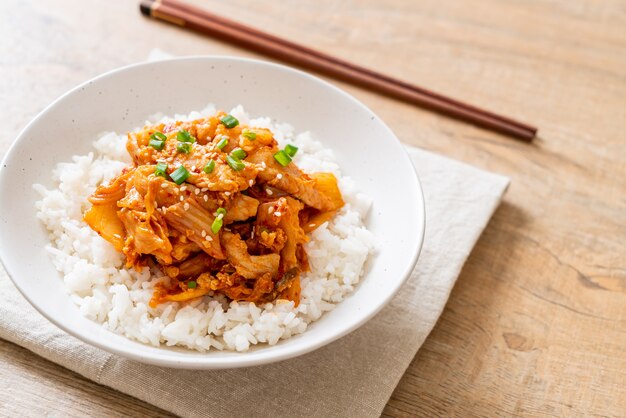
213 205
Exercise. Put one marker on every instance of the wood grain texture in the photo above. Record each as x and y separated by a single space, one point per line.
536 324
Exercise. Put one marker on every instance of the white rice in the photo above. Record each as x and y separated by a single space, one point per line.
117 297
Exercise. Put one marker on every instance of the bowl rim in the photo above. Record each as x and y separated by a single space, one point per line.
240 360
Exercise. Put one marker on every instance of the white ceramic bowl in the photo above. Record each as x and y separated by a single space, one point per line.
122 99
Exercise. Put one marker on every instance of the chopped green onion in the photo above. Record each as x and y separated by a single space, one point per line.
217 225
282 158
209 167
161 169
220 211
191 284
234 163
239 154
157 141
291 150
223 142
229 121
184 147
157 144
185 136
180 175
249 134
158 136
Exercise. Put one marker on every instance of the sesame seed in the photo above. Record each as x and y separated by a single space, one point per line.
263 164
250 182
277 214
181 198
164 185
227 193
209 238
269 210
193 168
220 216
183 188
197 191
311 225
206 198
203 233
204 189
279 176
269 192
186 206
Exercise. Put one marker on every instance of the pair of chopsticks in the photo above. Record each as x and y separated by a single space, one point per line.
199 20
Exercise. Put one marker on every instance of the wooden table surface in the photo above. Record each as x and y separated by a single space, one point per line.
536 324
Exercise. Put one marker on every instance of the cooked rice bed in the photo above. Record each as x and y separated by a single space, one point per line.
119 298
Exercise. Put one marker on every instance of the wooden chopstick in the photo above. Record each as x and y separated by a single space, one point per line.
179 13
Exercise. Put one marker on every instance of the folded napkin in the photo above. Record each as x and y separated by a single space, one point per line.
354 376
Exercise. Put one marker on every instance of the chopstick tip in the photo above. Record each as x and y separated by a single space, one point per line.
145 6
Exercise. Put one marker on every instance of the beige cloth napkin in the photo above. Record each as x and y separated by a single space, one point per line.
354 376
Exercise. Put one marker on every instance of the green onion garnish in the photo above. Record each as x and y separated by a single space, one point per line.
180 175
234 163
161 169
220 211
291 150
157 141
184 147
282 158
159 136
191 284
217 225
157 144
239 154
223 142
249 134
209 167
185 136
229 121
